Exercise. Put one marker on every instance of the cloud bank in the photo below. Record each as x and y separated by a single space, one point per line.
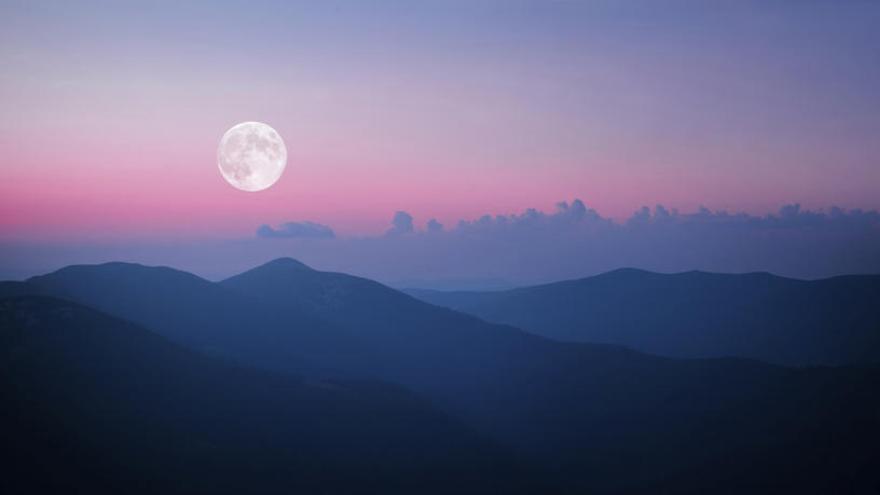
302 230
532 246
575 240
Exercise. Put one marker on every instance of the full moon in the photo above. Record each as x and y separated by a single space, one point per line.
251 156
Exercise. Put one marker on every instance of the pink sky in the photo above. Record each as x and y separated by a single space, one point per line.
107 131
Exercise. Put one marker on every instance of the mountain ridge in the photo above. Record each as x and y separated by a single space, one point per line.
695 314
606 419
145 415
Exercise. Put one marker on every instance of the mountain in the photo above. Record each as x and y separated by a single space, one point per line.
595 412
598 418
92 403
194 312
695 314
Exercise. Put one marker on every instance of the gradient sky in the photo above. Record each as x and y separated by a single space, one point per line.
110 115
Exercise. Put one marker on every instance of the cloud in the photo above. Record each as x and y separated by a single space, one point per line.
789 216
574 240
578 218
402 223
434 226
532 221
301 230
532 246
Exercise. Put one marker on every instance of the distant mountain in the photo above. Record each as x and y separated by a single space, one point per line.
600 418
695 314
92 404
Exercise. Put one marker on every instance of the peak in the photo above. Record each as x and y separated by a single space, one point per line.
287 264
280 268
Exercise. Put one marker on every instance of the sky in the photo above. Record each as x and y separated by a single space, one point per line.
111 112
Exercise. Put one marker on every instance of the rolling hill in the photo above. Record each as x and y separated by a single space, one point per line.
599 418
695 314
94 403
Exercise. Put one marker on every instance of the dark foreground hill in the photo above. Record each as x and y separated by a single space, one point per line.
695 314
600 419
93 404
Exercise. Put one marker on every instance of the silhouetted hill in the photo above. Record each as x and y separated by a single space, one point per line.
601 418
95 404
196 312
10 288
597 408
696 314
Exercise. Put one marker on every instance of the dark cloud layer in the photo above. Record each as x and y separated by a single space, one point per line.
296 230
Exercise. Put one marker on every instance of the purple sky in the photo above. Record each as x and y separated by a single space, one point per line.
111 114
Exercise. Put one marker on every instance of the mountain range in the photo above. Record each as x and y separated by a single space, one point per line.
94 403
573 417
834 321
